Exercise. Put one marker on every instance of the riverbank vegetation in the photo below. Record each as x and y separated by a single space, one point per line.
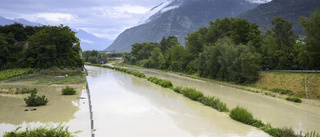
242 115
59 131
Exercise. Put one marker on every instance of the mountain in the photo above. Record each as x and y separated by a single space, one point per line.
288 9
178 18
88 40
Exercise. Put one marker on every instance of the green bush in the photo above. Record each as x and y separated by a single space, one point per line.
59 131
241 114
165 83
178 89
294 99
34 100
192 93
279 132
68 91
153 80
214 103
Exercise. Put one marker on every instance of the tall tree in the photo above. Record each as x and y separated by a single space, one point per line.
168 43
311 27
285 39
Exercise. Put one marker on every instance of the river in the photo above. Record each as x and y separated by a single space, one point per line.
126 106
279 112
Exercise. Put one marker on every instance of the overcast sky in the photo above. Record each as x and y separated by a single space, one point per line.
103 18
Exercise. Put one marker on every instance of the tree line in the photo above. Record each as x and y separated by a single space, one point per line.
39 47
235 50
96 57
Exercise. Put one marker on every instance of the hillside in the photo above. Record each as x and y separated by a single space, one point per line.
178 18
288 9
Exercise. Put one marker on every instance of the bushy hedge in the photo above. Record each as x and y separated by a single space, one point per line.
162 82
214 103
241 114
68 91
34 100
192 93
294 99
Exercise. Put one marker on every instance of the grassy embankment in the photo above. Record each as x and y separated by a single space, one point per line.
291 83
240 114
46 77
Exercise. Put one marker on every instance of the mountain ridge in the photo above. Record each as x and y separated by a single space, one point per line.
179 21
288 9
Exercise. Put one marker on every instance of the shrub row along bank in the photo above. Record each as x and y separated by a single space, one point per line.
59 131
238 113
161 82
242 115
195 95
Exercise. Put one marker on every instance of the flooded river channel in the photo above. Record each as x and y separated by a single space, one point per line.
278 112
127 106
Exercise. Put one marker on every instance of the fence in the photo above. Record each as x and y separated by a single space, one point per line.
90 107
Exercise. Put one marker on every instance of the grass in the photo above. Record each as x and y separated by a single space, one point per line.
60 80
291 83
161 82
17 91
68 91
241 114
214 103
59 131
10 73
192 93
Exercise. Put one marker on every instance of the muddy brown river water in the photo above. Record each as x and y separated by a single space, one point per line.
279 112
127 106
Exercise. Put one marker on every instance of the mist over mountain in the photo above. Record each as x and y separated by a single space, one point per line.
290 10
88 41
178 18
